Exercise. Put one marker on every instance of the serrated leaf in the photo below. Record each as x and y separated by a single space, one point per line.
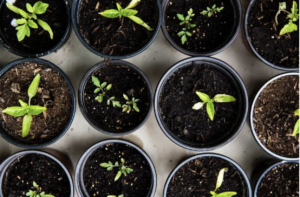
46 27
288 28
26 125
15 111
32 24
119 174
21 32
36 110
133 4
220 178
29 7
210 110
223 98
96 81
112 13
129 170
33 88
40 7
140 22
180 17
21 21
116 104
204 97
129 12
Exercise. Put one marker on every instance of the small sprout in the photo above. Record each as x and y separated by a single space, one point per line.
293 17
296 128
211 11
219 98
121 195
27 110
24 24
127 107
218 185
186 21
37 192
126 12
122 168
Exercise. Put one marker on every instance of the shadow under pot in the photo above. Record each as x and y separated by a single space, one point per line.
208 174
111 30
37 103
40 30
279 179
115 168
201 28
115 97
265 29
27 172
201 103
273 117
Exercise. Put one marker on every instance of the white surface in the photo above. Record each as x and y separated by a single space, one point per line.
75 60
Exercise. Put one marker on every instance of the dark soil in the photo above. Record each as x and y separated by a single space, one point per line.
116 36
199 177
210 32
39 41
100 182
274 118
53 93
283 180
49 175
279 50
179 95
124 80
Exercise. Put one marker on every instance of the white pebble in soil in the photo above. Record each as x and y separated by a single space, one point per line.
11 1
14 22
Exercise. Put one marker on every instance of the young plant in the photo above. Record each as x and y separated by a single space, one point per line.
292 16
296 128
24 24
122 168
121 195
211 11
126 12
27 110
219 98
186 21
37 192
218 185
127 107
103 87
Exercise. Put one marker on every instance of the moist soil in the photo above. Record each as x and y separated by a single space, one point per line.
124 80
210 32
100 183
179 95
264 35
53 93
198 177
39 41
49 175
116 36
274 118
282 180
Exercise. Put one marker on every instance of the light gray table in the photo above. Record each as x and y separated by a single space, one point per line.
75 60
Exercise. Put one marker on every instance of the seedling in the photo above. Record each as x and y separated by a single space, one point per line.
218 185
296 128
103 87
292 16
186 21
211 11
37 192
27 109
219 98
121 195
126 12
122 168
127 107
24 24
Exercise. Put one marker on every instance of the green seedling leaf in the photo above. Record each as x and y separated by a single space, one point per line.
123 161
288 28
27 30
36 110
188 33
135 107
46 27
35 185
97 90
198 106
210 110
133 4
17 10
125 97
23 104
22 31
112 13
40 7
180 17
29 8
211 11
204 97
181 33
109 87
227 194
21 21
214 194
104 165
96 81
33 88
34 16
140 22
15 111
121 195
119 7
32 24
296 113
296 128
26 125
183 39
119 174
128 12
223 98
220 178
103 84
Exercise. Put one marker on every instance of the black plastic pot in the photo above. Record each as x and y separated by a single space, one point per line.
75 22
10 139
235 31
82 106
252 47
79 183
18 52
14 157
242 96
262 170
251 118
233 163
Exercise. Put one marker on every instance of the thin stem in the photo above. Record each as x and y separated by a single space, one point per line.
29 101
